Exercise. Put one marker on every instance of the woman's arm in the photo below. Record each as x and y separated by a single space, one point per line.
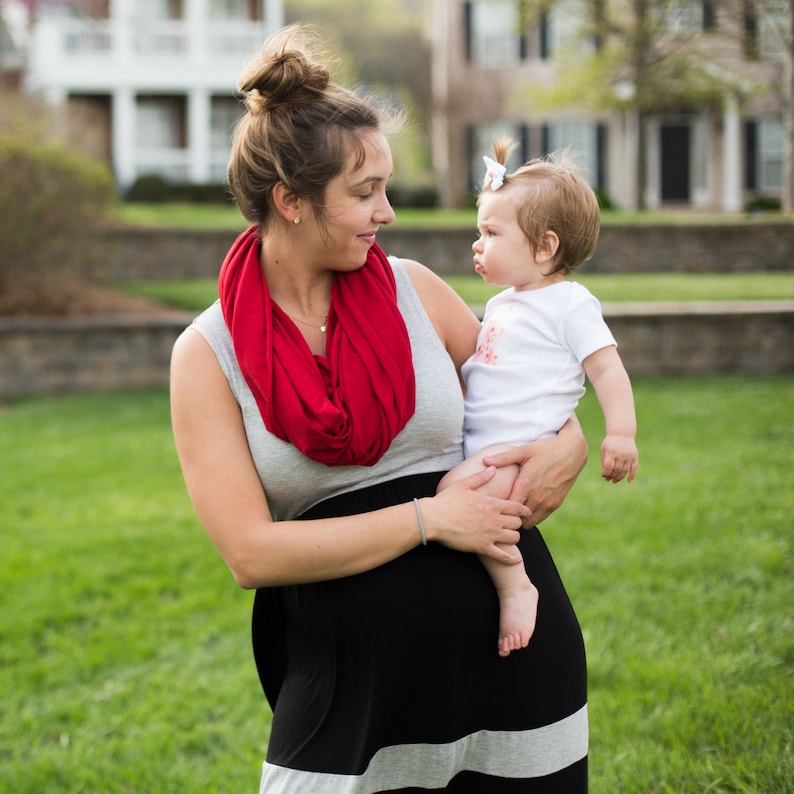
228 498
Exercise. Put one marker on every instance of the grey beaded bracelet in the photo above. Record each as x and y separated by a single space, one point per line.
421 523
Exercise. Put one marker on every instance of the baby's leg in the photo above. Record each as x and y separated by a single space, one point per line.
499 486
518 597
518 604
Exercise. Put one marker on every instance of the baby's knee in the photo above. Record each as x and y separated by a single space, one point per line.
501 484
460 472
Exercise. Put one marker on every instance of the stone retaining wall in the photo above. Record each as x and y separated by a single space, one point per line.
44 356
51 356
152 254
105 353
668 339
626 249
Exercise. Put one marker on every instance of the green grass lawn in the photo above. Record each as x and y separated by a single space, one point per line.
198 293
125 663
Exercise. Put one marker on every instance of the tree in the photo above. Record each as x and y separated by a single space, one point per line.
51 201
382 46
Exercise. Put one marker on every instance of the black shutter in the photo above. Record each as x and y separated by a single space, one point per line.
524 143
468 33
750 155
544 37
601 147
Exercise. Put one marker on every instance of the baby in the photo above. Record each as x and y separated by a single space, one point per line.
539 339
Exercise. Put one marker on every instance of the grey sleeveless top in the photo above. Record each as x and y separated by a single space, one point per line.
431 441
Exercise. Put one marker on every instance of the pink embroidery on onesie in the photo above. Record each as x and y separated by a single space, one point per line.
492 333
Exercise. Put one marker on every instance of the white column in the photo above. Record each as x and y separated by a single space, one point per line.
702 162
123 26
653 155
631 140
197 19
123 114
731 157
198 127
274 14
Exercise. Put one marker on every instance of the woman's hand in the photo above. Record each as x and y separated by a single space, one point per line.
468 521
548 469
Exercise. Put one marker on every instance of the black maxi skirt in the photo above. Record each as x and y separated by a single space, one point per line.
390 680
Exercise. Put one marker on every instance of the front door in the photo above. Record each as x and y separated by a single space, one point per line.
675 176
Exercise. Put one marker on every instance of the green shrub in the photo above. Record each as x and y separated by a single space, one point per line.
156 189
415 196
51 201
199 193
763 204
604 200
149 188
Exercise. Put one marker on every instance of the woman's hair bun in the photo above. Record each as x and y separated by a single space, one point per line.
285 71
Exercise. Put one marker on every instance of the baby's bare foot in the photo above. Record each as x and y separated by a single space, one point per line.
518 611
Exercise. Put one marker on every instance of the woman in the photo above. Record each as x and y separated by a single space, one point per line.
315 408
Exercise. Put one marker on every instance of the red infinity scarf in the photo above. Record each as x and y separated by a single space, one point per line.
342 409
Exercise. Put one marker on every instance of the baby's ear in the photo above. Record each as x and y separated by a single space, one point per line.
547 247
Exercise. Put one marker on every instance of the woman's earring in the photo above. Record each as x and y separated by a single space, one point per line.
296 221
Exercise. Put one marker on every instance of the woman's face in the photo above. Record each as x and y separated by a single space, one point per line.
355 206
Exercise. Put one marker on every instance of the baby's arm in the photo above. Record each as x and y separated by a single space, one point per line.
610 380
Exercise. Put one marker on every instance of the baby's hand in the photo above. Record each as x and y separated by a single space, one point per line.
619 458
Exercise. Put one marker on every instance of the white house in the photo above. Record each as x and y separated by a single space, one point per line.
157 77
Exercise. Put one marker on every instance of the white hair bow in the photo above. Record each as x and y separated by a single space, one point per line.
495 173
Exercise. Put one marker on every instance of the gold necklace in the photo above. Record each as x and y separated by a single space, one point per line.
310 325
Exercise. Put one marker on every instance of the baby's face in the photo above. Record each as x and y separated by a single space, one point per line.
502 253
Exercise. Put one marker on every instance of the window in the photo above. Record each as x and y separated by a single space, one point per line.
766 29
160 123
230 9
770 154
772 28
226 111
81 9
685 16
158 9
582 139
481 143
565 28
493 32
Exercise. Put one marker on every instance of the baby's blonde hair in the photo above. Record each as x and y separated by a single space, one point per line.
556 197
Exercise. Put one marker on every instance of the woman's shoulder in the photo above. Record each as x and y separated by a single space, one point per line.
207 337
416 284
199 336
212 325
452 320
211 316
421 277
404 268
